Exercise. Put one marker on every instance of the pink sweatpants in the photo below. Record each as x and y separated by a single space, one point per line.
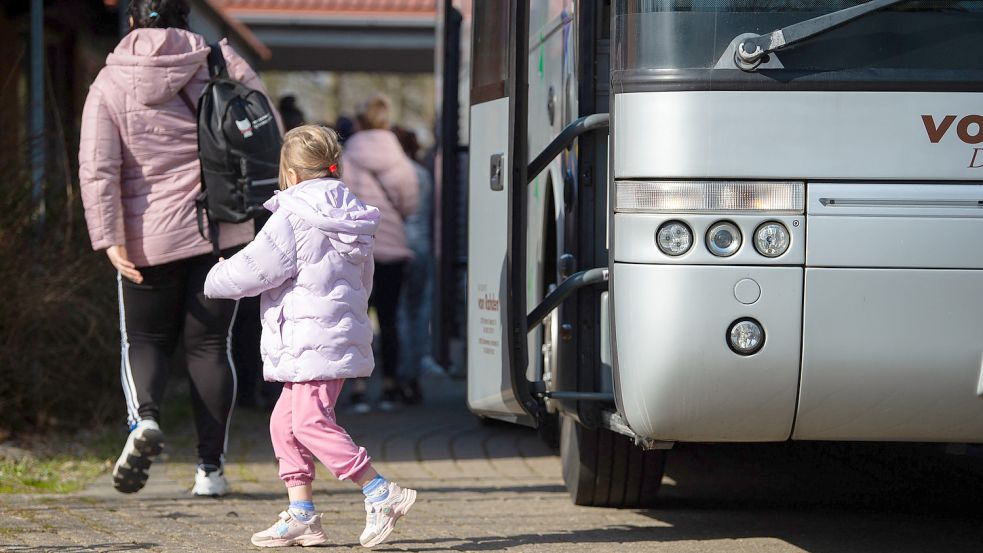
303 426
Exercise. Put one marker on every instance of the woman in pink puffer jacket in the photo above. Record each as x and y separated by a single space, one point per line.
378 171
139 175
312 264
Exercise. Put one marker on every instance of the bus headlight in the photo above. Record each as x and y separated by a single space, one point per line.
658 196
771 239
745 336
723 239
674 238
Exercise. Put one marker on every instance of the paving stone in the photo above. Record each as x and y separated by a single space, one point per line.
492 487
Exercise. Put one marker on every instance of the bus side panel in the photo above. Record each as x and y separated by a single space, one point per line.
677 377
893 355
893 324
489 379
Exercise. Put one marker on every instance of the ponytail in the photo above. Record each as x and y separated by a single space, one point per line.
158 14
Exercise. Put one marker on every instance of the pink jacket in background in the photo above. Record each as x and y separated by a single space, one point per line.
138 155
312 264
374 159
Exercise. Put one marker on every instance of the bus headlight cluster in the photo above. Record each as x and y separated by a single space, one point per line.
724 239
771 239
674 238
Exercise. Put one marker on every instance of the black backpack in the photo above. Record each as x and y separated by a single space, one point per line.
239 149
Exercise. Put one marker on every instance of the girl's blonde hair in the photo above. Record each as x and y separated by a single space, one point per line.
312 151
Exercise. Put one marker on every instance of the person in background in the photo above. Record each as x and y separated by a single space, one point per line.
312 264
345 128
292 115
415 303
380 174
139 175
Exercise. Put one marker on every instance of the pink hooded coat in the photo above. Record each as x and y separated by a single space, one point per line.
138 155
312 264
374 159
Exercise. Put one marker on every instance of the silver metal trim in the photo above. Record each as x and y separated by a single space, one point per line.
883 202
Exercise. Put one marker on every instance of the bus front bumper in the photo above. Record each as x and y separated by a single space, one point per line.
677 378
877 354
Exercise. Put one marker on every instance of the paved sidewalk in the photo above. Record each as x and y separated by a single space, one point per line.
497 487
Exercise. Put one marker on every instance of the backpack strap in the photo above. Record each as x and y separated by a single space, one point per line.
187 101
216 62
389 198
201 209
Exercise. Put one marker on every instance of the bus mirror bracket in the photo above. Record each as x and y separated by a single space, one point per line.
754 48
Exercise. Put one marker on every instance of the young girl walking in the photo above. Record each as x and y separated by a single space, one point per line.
312 265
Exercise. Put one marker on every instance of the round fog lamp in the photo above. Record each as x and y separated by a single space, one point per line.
674 238
745 336
723 239
771 239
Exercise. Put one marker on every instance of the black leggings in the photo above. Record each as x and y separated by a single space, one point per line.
152 317
386 284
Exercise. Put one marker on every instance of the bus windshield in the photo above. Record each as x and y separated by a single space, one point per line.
912 45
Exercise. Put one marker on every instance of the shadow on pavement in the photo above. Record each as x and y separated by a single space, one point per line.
818 497
100 547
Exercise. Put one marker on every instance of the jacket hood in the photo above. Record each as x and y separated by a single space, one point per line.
328 205
155 64
375 150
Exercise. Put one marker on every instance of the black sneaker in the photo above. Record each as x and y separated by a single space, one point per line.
389 400
410 393
144 443
358 405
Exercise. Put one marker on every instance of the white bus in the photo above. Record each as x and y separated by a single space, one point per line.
724 221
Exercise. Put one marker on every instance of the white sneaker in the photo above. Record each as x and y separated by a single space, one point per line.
290 531
144 443
210 482
380 518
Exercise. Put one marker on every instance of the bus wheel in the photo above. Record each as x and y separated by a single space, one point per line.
605 469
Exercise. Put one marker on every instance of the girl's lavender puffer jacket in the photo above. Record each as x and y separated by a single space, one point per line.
312 262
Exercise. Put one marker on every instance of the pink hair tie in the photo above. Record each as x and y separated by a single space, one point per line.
332 168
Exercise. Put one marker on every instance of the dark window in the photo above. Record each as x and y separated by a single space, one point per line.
489 50
913 45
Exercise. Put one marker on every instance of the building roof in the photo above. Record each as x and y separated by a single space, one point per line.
357 9
369 36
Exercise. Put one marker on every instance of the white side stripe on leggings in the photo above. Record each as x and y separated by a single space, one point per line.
235 380
125 371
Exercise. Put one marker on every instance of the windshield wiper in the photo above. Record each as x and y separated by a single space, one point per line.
749 53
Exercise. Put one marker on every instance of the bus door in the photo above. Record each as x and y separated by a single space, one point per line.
496 330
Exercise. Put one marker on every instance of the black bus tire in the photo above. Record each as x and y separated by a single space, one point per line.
605 469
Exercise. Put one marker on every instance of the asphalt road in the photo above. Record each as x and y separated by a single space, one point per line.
497 487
